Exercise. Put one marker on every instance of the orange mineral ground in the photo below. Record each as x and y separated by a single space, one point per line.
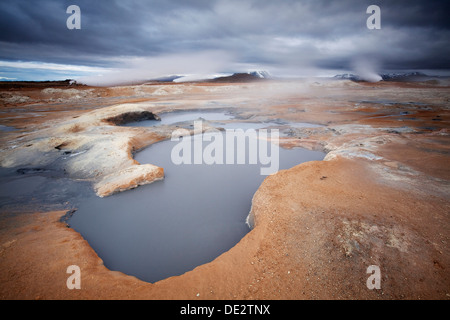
380 197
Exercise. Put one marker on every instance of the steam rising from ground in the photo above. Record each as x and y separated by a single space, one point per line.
140 69
366 70
208 64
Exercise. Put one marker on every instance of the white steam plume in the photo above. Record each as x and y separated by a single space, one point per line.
366 70
137 69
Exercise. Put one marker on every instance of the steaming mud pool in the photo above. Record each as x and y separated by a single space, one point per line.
159 230
171 226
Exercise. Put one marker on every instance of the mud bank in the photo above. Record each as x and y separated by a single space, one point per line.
381 197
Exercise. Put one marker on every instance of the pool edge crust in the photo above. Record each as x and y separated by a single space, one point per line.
128 178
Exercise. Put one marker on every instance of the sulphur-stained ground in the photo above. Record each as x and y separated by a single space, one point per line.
381 196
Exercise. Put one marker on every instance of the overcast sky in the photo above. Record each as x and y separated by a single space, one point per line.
151 38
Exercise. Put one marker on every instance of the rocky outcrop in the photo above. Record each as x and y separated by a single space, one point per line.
128 178
91 147
133 116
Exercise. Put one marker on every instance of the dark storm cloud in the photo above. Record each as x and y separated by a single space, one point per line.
279 34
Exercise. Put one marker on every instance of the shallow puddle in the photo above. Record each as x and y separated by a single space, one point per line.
7 128
170 118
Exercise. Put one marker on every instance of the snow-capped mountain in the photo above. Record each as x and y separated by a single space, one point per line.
248 76
347 76
260 74
391 76
244 77
384 76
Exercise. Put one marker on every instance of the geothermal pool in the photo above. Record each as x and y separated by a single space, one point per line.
172 226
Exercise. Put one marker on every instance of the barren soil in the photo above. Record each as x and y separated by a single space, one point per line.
380 197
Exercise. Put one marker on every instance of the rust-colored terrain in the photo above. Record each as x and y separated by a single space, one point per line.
380 197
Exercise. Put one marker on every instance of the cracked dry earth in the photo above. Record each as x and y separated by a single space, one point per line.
380 197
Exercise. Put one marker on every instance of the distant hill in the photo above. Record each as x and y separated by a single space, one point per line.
243 77
401 76
170 78
347 76
38 84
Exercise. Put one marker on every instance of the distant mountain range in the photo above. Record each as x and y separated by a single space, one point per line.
170 78
386 76
260 74
243 77
235 77
396 76
250 76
